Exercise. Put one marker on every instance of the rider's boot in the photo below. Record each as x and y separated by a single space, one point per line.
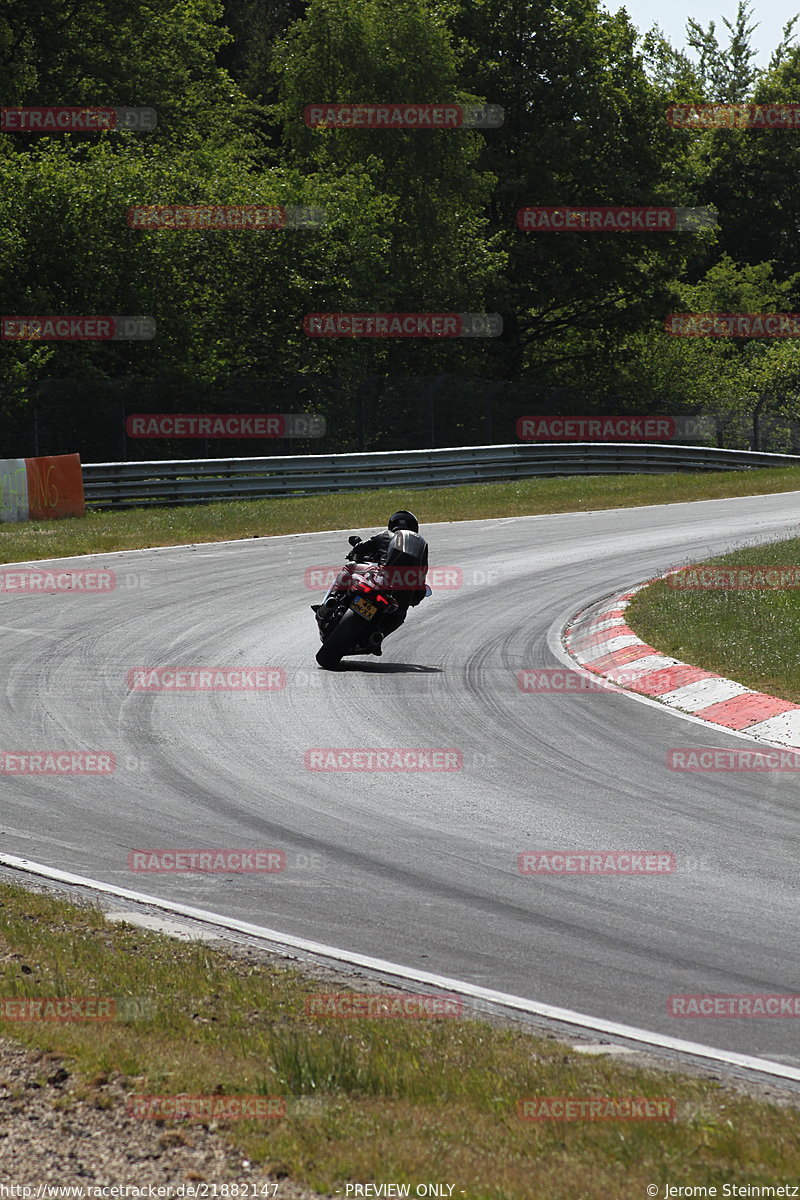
374 642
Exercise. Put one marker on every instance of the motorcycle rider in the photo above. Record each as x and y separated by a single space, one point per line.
374 549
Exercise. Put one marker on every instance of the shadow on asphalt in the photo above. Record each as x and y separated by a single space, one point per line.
387 668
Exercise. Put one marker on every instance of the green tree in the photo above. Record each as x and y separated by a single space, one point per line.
436 253
736 379
746 174
584 126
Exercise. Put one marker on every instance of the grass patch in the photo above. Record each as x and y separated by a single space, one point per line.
137 528
368 1100
747 635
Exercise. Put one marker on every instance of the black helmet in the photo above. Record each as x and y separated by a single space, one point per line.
403 520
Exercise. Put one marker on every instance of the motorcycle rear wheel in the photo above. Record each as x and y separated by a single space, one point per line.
348 633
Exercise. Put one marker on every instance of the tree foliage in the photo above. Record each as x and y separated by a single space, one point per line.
415 220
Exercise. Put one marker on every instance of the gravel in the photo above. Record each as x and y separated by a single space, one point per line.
49 1134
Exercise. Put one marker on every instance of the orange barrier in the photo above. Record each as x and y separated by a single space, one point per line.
41 488
55 486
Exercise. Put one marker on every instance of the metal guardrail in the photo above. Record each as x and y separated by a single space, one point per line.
199 481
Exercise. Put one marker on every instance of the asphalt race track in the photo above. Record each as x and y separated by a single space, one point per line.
419 868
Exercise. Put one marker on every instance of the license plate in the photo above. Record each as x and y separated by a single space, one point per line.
364 608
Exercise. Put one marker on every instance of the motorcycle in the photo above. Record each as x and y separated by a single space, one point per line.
362 596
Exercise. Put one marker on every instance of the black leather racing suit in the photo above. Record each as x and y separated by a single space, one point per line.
374 549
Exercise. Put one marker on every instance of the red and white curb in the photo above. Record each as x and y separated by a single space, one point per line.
600 641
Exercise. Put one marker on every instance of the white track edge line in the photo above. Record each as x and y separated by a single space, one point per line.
564 1015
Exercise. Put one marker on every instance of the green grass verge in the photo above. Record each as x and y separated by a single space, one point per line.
747 635
136 528
387 1100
